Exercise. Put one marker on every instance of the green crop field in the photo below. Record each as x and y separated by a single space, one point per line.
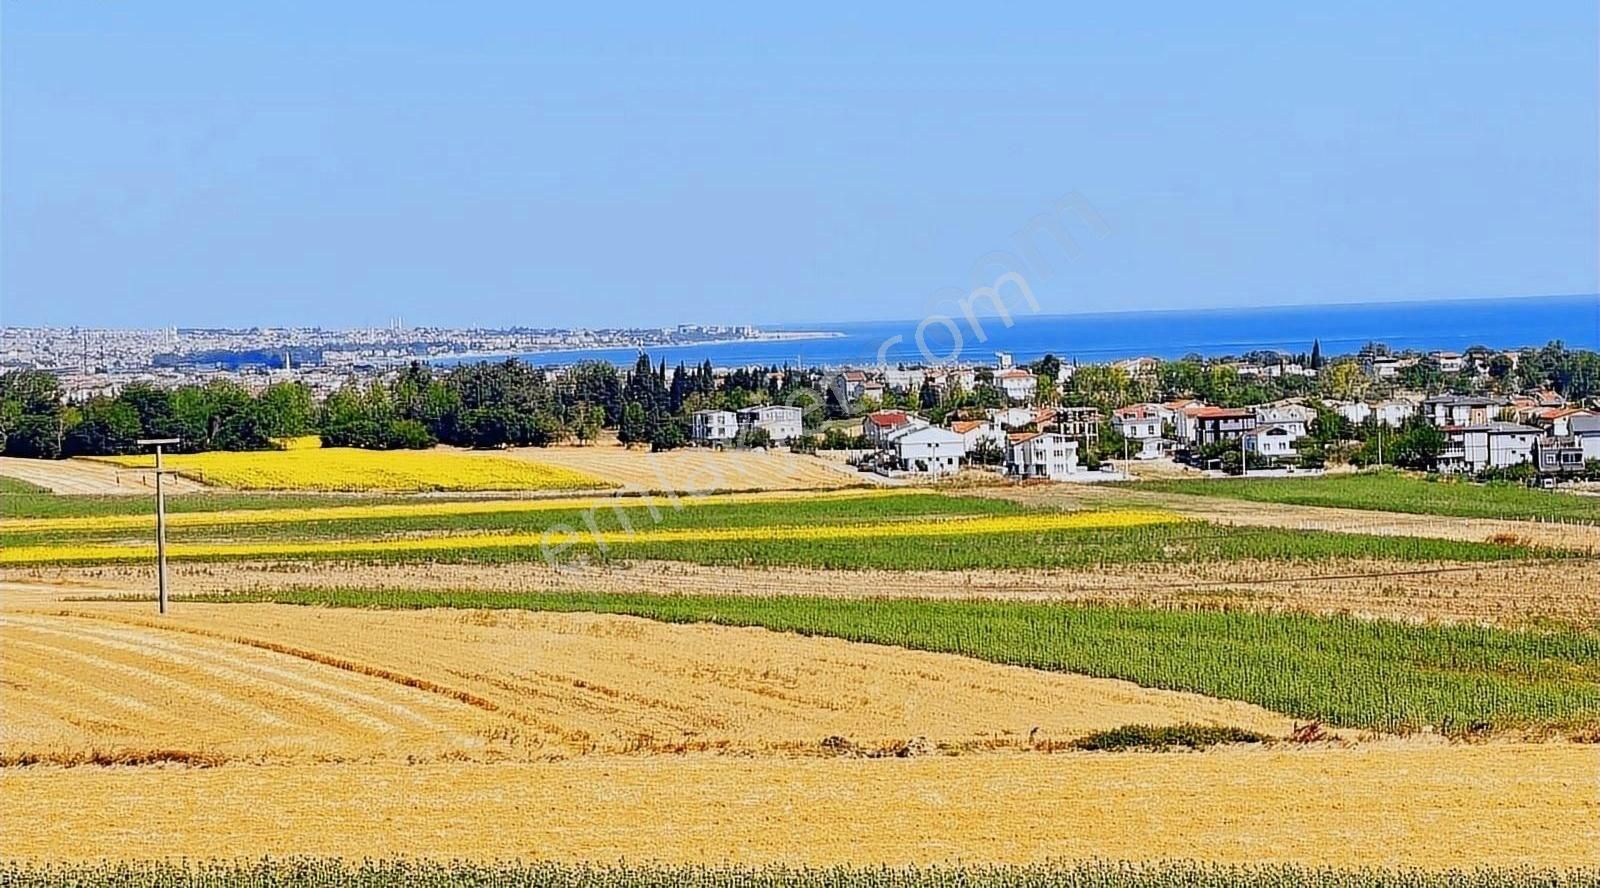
1392 491
1339 670
326 873
18 501
16 487
475 539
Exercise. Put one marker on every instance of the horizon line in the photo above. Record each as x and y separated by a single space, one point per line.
820 326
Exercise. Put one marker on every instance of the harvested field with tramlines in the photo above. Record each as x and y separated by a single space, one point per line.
854 677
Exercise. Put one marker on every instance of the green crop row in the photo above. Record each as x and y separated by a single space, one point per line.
1393 491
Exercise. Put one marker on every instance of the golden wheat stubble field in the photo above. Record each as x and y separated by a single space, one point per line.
491 734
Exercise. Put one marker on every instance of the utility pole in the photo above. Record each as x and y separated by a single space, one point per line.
1380 443
1244 457
161 522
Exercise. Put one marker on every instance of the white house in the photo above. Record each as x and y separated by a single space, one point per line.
1461 410
976 431
945 377
879 425
1271 441
1042 455
1013 417
847 387
1391 412
1139 421
928 450
781 422
1586 434
903 381
1017 385
1494 445
1183 414
714 426
1294 419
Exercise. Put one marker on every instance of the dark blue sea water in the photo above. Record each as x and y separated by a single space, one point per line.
1453 324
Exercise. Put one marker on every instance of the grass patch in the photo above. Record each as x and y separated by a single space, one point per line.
1338 670
310 872
10 487
1394 491
1159 738
44 504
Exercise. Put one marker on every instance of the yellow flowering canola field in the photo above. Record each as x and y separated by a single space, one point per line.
426 509
350 469
557 539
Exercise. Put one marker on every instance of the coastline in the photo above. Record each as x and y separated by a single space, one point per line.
771 336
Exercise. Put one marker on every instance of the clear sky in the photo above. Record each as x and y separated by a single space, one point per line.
573 164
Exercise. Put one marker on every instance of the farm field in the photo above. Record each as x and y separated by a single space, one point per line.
352 470
699 470
1508 593
844 531
1392 491
845 677
1345 672
1392 804
399 723
1287 516
330 872
261 682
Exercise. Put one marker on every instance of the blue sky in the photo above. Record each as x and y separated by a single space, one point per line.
496 164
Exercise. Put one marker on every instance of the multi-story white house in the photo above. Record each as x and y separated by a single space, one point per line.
1009 418
1017 385
1042 455
1461 410
879 425
1295 419
847 387
781 422
901 381
1586 434
1272 441
927 450
1139 421
977 431
1493 445
714 426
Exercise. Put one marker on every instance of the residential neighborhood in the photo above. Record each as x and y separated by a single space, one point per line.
1527 415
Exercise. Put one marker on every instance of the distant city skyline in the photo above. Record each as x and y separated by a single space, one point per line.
206 165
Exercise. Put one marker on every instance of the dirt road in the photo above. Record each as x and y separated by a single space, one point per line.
87 476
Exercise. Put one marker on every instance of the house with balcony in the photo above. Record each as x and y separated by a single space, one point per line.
713 427
781 422
1493 445
1046 455
1215 424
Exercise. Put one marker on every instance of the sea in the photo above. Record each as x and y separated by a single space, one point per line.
1343 328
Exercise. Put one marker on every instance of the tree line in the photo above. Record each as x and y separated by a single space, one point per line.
472 405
